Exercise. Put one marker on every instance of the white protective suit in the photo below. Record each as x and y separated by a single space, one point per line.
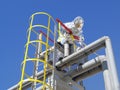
76 27
76 31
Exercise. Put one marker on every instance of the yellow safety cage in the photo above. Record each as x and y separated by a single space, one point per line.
44 44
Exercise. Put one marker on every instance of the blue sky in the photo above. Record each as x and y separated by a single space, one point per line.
101 18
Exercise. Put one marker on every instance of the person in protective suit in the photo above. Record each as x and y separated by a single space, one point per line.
75 27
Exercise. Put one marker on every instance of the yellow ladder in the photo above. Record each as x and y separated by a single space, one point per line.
45 43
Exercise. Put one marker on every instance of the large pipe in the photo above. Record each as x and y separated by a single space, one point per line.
111 65
91 48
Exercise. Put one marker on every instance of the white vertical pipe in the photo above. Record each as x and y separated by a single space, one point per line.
111 65
54 59
106 75
66 49
36 62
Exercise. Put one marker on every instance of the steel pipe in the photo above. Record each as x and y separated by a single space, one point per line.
91 48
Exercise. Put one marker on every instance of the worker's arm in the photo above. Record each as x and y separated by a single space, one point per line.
66 28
